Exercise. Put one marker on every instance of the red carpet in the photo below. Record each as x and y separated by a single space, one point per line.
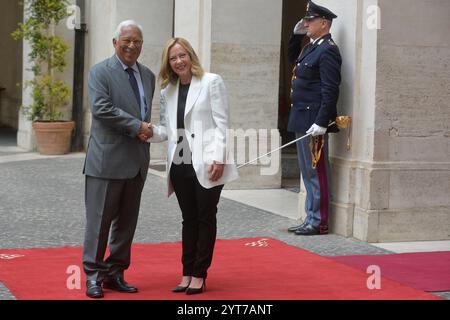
429 271
267 270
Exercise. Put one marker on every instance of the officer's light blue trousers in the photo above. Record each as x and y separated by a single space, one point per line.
317 182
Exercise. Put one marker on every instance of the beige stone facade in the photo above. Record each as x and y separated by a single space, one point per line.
394 182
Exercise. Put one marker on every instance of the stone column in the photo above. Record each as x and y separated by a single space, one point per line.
409 196
393 184
193 22
25 136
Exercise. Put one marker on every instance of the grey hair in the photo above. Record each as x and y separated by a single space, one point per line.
124 24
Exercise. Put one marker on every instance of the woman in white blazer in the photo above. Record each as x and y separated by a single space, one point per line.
194 121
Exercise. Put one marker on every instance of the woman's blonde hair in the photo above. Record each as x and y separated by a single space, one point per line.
166 74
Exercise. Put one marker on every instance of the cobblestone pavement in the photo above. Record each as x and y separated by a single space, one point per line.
42 205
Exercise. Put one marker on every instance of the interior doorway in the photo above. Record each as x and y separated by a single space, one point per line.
293 10
11 55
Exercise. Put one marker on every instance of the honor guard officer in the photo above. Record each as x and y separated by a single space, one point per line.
314 95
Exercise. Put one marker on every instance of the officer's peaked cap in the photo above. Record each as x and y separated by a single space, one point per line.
315 11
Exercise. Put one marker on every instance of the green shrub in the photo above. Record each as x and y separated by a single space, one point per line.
48 53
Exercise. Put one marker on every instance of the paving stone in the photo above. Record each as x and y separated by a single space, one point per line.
445 295
5 294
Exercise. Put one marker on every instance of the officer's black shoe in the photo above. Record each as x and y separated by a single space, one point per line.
307 230
117 283
295 228
94 289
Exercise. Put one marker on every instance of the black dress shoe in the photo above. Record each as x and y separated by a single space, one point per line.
179 289
307 230
295 228
117 283
94 289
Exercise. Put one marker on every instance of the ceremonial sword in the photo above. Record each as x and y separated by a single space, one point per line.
282 147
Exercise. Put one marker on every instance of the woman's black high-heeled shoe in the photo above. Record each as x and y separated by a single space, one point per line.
190 291
179 289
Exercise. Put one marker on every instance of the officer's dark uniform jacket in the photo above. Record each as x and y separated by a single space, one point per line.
315 84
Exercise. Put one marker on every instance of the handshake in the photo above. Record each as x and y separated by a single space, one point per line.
145 132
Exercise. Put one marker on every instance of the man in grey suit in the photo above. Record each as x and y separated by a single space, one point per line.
120 96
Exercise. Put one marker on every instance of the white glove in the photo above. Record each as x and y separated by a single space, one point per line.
316 130
300 27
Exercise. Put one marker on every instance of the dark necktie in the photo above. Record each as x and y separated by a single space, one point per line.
134 85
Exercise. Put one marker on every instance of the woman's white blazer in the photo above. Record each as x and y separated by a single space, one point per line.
206 120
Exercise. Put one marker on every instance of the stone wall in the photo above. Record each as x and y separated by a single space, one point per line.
245 51
393 184
412 119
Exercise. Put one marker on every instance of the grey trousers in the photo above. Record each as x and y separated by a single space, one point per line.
317 183
112 208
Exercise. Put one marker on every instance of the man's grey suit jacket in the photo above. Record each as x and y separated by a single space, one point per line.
114 151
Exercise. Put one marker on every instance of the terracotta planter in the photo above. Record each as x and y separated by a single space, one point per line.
53 138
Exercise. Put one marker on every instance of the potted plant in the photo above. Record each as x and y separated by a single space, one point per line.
48 58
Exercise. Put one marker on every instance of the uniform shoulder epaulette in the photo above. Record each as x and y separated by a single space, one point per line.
331 42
